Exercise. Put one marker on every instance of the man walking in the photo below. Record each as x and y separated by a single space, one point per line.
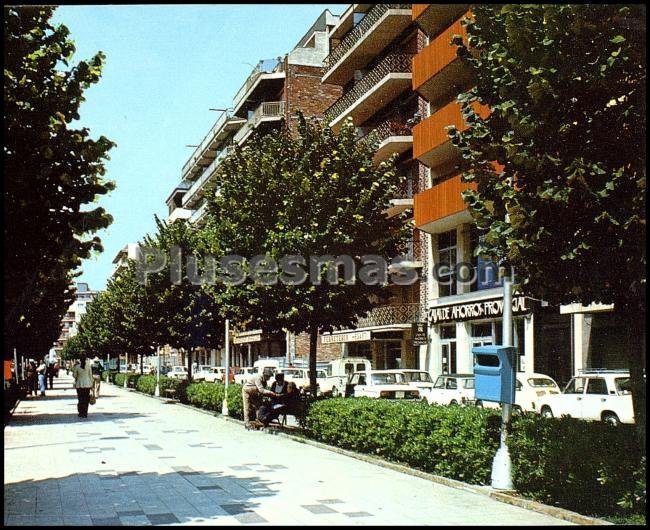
252 393
51 371
42 368
97 370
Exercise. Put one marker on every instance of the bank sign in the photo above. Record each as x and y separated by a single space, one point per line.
492 308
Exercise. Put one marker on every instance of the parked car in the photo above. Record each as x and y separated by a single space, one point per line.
418 379
389 384
529 390
452 389
338 374
300 377
210 374
600 395
178 372
244 374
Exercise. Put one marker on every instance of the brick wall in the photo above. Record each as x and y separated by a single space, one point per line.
324 352
305 92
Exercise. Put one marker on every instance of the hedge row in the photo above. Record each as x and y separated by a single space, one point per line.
592 468
210 396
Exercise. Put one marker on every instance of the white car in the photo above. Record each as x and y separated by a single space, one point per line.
452 389
418 379
300 377
178 372
388 384
600 395
209 374
244 374
529 390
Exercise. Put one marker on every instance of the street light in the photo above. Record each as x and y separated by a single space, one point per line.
224 408
157 391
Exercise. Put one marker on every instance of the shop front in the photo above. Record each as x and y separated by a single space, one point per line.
248 346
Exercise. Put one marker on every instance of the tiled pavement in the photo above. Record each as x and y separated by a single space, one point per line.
141 461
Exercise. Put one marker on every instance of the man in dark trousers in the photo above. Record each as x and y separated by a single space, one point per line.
252 393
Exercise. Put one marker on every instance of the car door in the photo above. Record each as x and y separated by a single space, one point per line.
595 399
571 401
350 386
361 386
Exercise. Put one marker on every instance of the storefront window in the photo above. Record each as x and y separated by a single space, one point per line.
486 270
447 261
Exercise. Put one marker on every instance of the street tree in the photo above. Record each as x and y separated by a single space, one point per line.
52 173
566 89
305 193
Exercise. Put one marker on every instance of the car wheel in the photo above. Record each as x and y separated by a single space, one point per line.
453 402
546 412
335 392
517 409
611 418
479 403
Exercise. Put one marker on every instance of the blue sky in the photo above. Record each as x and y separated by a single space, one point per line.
166 65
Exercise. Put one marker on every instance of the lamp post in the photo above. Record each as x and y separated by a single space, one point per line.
502 464
157 391
224 408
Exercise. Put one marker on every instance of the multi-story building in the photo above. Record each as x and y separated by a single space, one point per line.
70 321
461 315
131 251
275 90
372 48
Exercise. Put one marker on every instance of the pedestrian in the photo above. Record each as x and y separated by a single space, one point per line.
31 376
51 372
41 371
252 393
83 382
97 370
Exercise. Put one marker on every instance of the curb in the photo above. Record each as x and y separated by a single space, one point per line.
521 502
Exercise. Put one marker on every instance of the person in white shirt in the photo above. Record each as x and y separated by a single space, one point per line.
83 382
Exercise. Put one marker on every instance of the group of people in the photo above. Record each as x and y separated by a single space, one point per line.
262 405
38 375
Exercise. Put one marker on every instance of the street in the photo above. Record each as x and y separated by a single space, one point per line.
140 461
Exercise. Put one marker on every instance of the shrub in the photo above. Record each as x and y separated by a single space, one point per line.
235 401
207 396
590 467
146 384
119 379
179 385
109 376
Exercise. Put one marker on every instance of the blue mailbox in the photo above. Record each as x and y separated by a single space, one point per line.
494 373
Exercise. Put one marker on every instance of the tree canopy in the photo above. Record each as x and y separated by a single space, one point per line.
52 172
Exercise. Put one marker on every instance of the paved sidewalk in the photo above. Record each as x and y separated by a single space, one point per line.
141 461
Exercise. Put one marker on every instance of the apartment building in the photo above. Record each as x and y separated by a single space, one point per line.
461 315
372 48
72 317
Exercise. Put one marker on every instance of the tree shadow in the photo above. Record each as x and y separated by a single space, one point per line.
19 420
115 498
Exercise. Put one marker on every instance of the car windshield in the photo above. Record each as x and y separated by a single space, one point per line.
390 378
623 385
541 382
421 377
440 383
292 373
468 383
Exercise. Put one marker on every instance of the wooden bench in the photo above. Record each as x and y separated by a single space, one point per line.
170 392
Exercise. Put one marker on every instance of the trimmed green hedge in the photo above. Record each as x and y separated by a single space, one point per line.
209 396
589 467
109 376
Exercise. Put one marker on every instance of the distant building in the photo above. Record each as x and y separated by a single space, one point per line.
70 321
121 259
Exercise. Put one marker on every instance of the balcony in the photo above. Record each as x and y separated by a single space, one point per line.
394 136
365 41
178 213
431 143
198 216
267 112
195 192
438 73
266 70
441 207
380 86
389 315
206 151
433 18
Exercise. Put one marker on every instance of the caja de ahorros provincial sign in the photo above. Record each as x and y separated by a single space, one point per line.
492 308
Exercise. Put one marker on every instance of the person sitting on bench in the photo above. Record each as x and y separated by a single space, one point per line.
285 403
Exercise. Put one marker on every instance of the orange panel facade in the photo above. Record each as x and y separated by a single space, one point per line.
437 55
439 201
430 133
418 9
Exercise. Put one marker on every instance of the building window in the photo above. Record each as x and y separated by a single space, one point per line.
486 270
447 262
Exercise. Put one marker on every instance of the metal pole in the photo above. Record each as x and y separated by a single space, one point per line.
224 408
502 464
15 365
157 391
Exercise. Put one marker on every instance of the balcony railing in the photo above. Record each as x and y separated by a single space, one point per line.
392 314
267 66
393 63
358 32
198 152
268 109
199 212
393 126
207 173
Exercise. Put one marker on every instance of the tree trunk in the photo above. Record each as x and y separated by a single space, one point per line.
189 364
141 363
636 349
313 341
